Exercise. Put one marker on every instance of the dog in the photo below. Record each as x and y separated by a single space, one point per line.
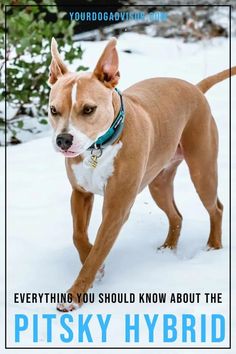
117 144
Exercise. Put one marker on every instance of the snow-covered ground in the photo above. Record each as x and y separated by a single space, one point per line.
41 256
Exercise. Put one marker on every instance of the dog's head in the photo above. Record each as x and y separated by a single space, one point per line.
80 104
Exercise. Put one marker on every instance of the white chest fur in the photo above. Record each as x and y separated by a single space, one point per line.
94 179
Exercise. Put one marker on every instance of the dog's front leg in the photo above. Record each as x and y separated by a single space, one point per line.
116 210
81 208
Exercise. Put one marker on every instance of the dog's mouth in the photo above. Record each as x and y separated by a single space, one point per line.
72 153
69 153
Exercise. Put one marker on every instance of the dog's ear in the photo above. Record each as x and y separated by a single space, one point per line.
107 68
57 67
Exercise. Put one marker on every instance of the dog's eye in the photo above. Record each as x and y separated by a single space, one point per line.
53 110
89 109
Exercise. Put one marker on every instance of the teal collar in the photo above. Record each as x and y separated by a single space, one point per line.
114 131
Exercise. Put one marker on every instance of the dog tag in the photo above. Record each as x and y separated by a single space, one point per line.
92 161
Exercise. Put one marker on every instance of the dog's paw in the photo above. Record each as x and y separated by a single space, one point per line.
100 274
67 306
210 248
166 248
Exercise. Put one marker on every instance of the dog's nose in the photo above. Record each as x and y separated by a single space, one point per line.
64 141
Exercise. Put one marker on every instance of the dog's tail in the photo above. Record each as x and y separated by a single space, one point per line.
210 81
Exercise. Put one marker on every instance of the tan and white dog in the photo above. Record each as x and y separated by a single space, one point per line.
163 122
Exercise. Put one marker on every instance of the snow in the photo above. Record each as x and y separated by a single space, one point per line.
41 255
32 128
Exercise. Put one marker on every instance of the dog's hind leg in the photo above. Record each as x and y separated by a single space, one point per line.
200 149
81 208
162 191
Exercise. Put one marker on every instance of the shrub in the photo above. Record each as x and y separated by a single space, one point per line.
28 57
